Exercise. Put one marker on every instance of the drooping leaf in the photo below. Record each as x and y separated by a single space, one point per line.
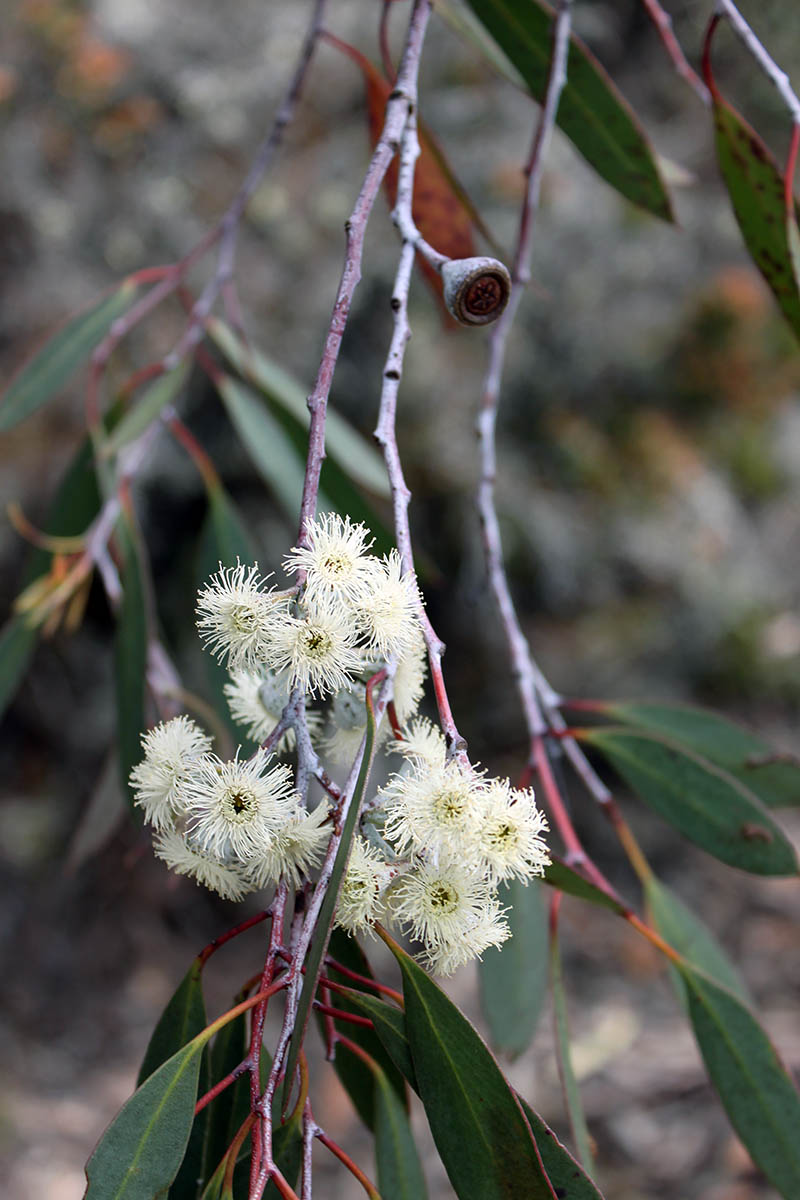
355 455
708 806
140 1153
513 977
475 1118
230 1108
592 112
400 1174
147 408
264 439
756 189
741 753
567 879
51 368
182 1019
130 653
356 1077
390 1026
322 929
759 1097
572 1095
687 934
569 1180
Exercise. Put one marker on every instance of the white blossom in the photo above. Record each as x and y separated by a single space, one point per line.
336 558
442 906
435 808
316 649
422 743
296 848
511 842
360 901
257 699
170 751
488 929
235 809
185 858
235 615
387 610
409 679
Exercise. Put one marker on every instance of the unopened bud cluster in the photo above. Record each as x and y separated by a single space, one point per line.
434 842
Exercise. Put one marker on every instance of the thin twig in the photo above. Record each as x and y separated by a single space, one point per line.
663 23
726 8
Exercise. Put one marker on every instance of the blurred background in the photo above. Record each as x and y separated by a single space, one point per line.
649 497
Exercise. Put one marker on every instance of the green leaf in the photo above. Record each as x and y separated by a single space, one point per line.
153 400
756 189
141 1152
475 1118
730 746
182 1019
760 1098
130 653
568 1178
51 368
17 644
356 456
686 933
287 1148
265 440
592 113
513 978
572 1095
355 1076
322 929
399 1170
390 1027
229 1109
708 806
566 879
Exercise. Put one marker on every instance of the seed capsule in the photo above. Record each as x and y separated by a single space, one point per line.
476 290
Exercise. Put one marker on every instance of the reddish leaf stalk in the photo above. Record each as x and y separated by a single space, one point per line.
229 934
663 23
341 1015
364 980
347 1161
230 1078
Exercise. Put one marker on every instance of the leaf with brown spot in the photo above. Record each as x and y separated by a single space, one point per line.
756 187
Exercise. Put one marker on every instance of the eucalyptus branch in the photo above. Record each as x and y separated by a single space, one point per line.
780 79
663 23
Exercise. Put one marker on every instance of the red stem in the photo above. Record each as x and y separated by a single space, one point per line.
363 979
230 1078
217 942
341 1015
347 1161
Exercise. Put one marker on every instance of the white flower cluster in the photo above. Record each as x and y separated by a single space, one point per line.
436 840
452 836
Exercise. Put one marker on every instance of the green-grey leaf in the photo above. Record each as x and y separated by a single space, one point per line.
355 455
572 1095
51 368
568 1178
475 1118
130 652
513 977
592 113
743 754
17 644
708 806
399 1170
140 1153
390 1026
182 1019
759 1096
686 933
566 879
264 439
230 1108
147 408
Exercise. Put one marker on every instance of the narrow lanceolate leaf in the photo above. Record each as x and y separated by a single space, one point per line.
592 112
756 189
750 759
50 370
399 1171
141 1152
354 454
130 652
389 1024
569 1180
182 1019
480 1132
356 1077
759 1097
263 437
17 644
707 805
567 879
230 1108
572 1095
684 931
147 408
322 931
513 978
